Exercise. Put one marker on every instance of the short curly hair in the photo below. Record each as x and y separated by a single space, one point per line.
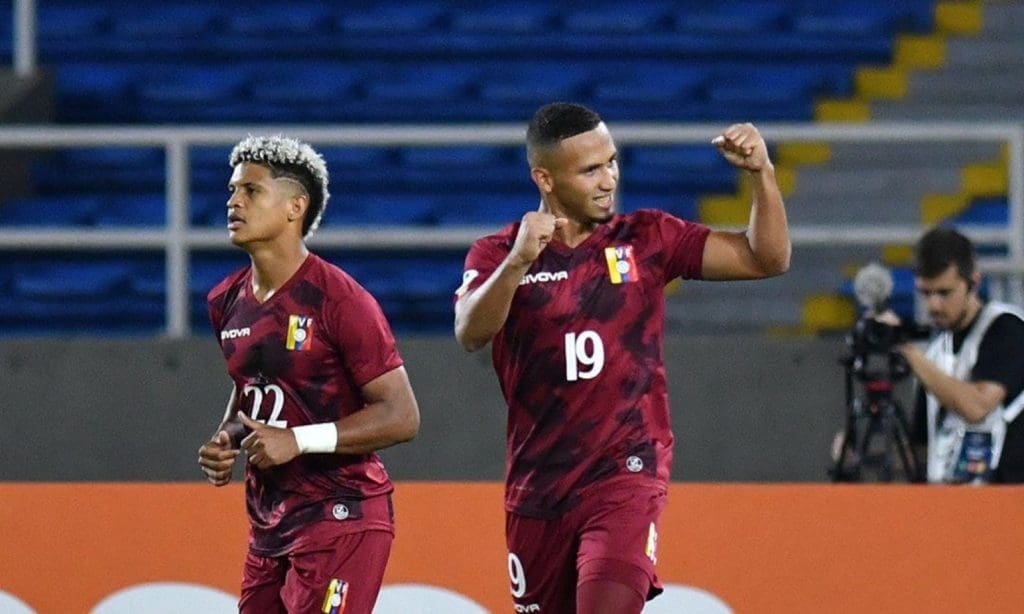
291 158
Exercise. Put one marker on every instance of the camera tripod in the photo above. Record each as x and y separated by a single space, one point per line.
877 434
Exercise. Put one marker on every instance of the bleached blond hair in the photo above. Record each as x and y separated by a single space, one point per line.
289 158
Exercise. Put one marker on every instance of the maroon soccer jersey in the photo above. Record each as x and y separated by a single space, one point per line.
301 357
579 358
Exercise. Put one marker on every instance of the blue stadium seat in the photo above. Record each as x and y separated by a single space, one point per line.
504 18
517 90
168 21
133 210
289 19
303 92
101 169
415 85
463 167
67 280
985 211
148 280
743 17
58 23
379 209
485 208
66 210
626 18
649 83
210 170
864 17
93 92
209 209
208 269
195 94
677 169
391 18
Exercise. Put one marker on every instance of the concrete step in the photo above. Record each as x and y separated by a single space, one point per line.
851 156
899 184
1004 18
943 111
967 86
986 51
852 209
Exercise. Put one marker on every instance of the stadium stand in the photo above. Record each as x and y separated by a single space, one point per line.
195 62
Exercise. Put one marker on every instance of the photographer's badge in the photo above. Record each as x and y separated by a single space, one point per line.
975 460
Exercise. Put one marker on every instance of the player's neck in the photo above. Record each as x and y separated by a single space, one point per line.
575 232
273 265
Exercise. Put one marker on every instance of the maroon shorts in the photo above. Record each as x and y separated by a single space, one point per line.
611 536
345 575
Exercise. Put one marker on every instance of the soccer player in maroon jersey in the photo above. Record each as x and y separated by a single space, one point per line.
572 299
319 386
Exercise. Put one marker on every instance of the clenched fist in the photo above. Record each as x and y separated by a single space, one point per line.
743 147
217 457
535 232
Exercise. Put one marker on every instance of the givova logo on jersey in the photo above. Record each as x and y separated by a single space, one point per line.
300 333
621 265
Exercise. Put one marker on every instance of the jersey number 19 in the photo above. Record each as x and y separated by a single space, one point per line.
584 355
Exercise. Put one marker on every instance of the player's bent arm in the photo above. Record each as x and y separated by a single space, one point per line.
480 314
217 456
764 249
391 416
972 400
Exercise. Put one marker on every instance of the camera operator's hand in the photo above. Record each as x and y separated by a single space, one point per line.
887 317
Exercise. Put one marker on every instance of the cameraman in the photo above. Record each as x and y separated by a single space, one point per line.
972 373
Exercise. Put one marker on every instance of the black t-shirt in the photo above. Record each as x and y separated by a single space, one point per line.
1000 360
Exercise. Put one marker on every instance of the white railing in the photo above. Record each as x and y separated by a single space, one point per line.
177 239
24 38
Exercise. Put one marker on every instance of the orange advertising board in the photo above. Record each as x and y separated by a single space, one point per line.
757 548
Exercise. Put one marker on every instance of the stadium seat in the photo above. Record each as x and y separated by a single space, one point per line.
626 18
66 210
744 17
169 21
133 210
391 19
69 280
379 209
58 23
93 92
505 19
290 19
302 92
994 211
197 94
485 208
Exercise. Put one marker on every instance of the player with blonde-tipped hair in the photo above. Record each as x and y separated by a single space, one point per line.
318 388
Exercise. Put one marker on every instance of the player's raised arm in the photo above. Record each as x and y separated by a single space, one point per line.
480 313
763 249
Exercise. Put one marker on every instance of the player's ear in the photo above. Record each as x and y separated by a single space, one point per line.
542 178
297 206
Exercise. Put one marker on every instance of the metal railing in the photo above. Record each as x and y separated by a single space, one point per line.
178 239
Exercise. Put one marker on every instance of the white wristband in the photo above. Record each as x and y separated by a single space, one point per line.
316 438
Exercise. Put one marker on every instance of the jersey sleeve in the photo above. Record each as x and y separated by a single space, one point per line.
363 336
682 247
1001 355
215 310
484 257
